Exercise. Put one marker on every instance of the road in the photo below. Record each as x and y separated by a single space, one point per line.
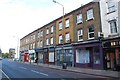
17 70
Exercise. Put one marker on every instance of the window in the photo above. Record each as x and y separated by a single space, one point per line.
82 56
80 34
47 31
67 37
91 32
52 27
90 14
113 26
111 6
79 18
41 43
47 42
38 44
33 45
60 39
67 23
51 40
38 34
60 25
41 33
96 55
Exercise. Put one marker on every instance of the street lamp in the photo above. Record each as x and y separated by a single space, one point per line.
61 5
63 27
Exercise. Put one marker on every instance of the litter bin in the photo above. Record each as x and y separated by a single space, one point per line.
118 67
64 66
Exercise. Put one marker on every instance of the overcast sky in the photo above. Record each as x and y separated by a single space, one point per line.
20 17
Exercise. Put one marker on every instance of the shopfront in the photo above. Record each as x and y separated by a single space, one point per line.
88 55
40 54
111 53
46 56
64 54
31 55
51 55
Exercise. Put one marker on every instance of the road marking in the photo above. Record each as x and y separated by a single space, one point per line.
34 71
22 67
43 74
5 75
39 73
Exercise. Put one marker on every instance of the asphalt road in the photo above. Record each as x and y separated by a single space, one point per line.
17 70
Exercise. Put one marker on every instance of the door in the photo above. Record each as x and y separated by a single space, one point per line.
110 60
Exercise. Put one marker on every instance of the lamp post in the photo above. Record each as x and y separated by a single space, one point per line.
63 27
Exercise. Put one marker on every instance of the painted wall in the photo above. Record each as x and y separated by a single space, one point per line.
105 17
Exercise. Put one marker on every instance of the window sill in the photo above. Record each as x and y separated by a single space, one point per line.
111 12
90 19
79 23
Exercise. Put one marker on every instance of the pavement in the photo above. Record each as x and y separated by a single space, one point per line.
106 73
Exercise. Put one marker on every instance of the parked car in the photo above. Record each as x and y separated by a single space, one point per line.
0 58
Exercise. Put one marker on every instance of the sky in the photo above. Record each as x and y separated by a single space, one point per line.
20 17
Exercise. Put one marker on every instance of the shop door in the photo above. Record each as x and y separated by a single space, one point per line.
110 60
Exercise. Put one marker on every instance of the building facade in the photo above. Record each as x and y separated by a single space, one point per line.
110 21
75 38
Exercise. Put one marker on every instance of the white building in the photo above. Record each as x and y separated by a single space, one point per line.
110 17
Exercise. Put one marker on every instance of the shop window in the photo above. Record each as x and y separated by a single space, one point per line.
96 55
51 57
82 56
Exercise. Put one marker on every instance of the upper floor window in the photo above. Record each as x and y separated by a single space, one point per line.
113 26
52 28
33 45
47 31
111 6
41 43
80 34
60 25
79 18
67 37
91 32
60 39
38 34
47 42
67 23
90 14
41 33
51 40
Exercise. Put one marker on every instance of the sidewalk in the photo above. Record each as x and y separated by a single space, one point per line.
83 70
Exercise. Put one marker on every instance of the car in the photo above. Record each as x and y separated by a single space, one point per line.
0 58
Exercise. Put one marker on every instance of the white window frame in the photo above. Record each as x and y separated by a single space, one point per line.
90 14
67 37
60 38
80 34
38 34
79 18
47 31
52 28
110 6
113 26
67 23
41 33
91 33
60 25
51 40
47 41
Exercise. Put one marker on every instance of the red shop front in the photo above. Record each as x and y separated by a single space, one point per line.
26 57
